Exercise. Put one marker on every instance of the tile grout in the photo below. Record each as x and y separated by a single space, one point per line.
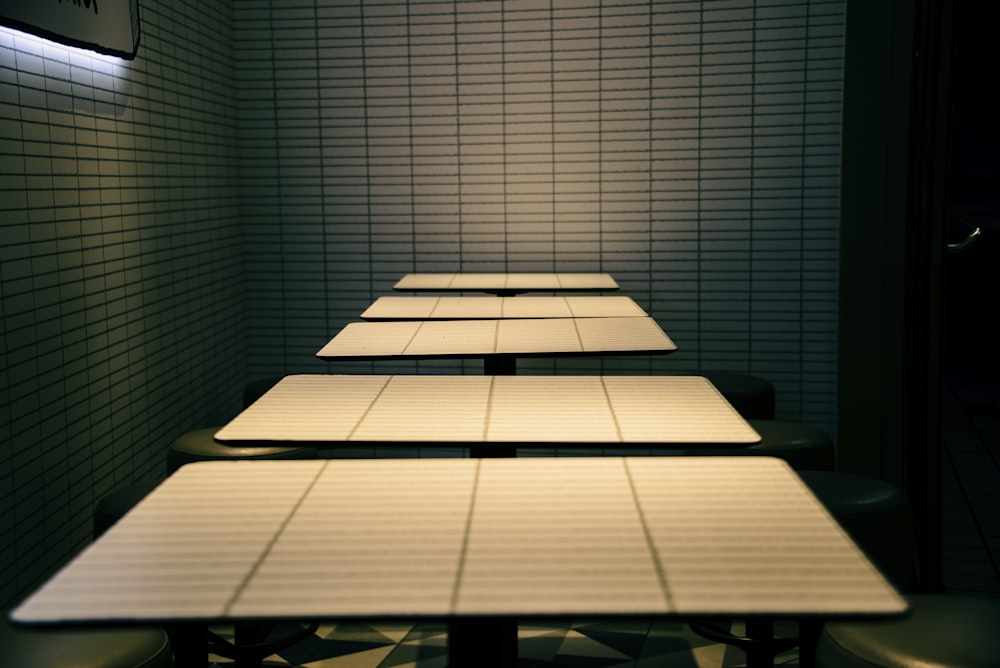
971 476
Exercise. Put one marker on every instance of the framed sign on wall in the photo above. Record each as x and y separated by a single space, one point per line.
105 26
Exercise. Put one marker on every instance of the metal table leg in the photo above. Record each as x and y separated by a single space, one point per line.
487 642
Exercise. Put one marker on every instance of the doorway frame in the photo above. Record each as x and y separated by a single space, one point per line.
893 205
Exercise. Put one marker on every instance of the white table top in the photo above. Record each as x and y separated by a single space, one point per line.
537 337
505 283
446 538
463 411
493 308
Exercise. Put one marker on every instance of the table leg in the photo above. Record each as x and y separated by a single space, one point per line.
488 450
190 644
246 634
487 642
500 365
809 633
759 651
757 642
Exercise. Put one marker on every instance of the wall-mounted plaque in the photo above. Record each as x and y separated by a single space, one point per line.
105 26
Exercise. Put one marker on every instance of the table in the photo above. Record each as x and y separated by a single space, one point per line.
492 308
498 342
479 543
505 284
491 415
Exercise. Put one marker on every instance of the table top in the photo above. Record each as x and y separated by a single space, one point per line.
493 308
536 337
448 538
506 283
464 411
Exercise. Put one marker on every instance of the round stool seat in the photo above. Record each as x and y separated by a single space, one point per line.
139 647
801 445
804 447
751 396
200 445
113 507
942 631
876 514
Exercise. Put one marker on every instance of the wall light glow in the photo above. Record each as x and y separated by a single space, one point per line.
49 50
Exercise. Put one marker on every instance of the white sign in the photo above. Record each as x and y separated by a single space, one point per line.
105 26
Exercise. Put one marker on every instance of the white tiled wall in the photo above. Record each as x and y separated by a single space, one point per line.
122 295
689 148
226 202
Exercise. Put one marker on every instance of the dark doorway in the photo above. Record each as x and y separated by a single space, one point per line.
971 392
974 191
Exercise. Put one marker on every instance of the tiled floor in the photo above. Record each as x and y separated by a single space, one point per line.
972 483
971 555
578 644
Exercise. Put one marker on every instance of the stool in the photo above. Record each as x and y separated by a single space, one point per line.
876 514
255 389
942 631
804 447
113 507
751 396
200 445
252 641
125 647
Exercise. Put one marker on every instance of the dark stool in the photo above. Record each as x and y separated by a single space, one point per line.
804 447
878 517
255 389
253 641
942 631
751 396
132 647
876 514
200 446
113 507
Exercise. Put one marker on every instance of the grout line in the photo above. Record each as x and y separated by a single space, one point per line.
962 487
